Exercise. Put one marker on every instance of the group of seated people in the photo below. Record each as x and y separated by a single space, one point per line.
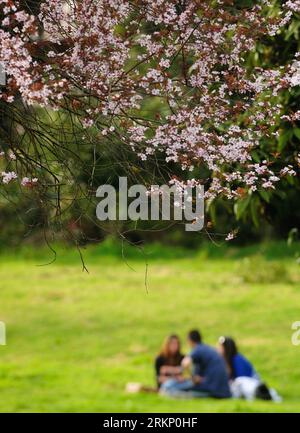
208 372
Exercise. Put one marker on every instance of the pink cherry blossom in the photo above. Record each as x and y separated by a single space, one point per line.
106 61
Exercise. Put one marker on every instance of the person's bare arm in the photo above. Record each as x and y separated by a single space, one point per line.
171 370
162 378
186 362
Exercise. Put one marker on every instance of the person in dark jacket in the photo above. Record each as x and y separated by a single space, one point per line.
209 375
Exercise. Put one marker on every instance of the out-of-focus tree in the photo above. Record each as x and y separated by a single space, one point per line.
178 90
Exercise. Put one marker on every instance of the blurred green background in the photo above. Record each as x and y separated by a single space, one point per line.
75 339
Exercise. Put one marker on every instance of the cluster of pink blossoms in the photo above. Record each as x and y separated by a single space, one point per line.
107 61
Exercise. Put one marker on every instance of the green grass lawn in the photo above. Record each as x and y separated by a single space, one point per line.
75 339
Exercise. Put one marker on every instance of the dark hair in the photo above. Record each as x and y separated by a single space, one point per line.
262 392
230 350
195 336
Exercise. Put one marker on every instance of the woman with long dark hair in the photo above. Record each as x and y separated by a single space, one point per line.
244 381
237 364
168 362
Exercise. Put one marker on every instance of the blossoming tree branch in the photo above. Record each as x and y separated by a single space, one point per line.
97 67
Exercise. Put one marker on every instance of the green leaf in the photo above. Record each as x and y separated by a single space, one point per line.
254 211
265 195
284 139
241 206
297 132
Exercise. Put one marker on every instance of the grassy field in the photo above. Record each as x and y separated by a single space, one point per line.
74 339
